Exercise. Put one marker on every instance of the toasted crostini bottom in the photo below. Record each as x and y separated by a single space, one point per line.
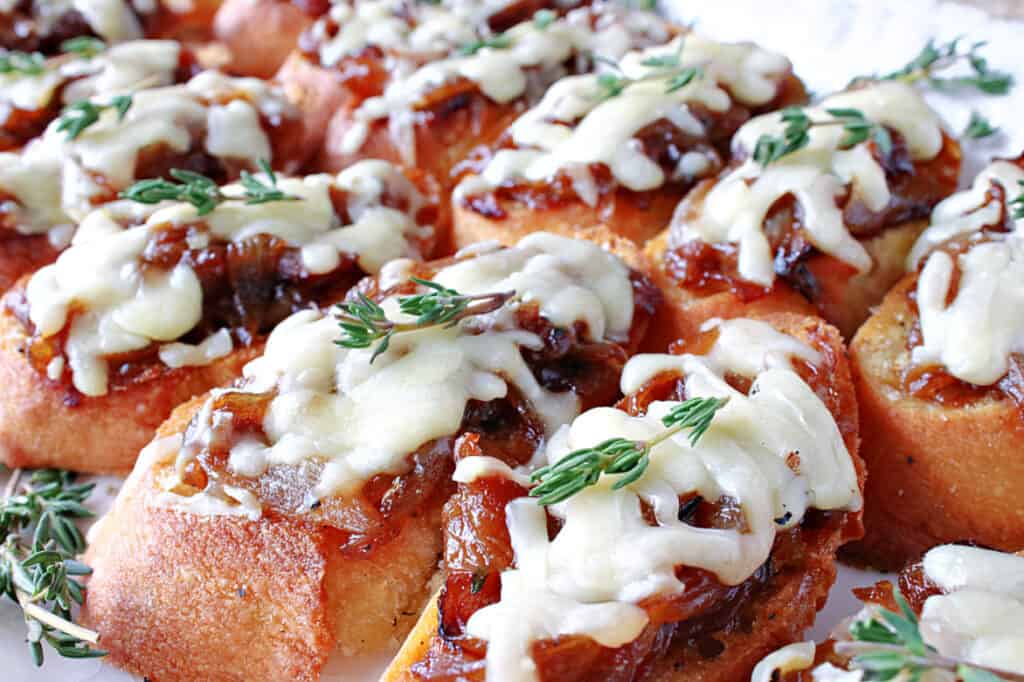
638 216
795 584
939 472
45 423
259 34
827 287
235 599
22 254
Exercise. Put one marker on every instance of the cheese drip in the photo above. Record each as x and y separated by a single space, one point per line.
974 335
121 306
532 58
359 419
737 206
55 181
606 559
980 618
111 20
576 124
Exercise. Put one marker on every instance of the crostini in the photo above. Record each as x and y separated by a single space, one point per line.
465 87
954 617
30 100
154 304
823 201
273 25
213 125
302 506
34 28
938 370
620 145
707 541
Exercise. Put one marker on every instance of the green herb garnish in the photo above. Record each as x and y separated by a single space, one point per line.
22 63
203 193
667 67
1017 203
83 46
890 644
364 323
979 127
796 133
629 458
498 41
933 59
38 569
75 118
543 18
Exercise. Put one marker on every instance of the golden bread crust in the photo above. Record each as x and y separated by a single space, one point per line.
21 254
179 596
793 597
638 217
43 424
939 473
259 34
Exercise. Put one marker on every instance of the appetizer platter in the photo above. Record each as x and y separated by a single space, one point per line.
510 341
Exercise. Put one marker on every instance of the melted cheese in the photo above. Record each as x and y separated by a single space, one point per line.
790 658
737 206
211 111
357 418
123 307
533 58
606 558
974 335
575 126
980 615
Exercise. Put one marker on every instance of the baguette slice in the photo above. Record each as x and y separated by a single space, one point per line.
804 223
272 592
260 34
946 473
723 651
250 272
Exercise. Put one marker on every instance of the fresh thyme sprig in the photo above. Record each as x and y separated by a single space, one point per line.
582 468
203 193
22 63
498 41
364 323
796 135
1017 203
543 18
37 565
75 118
669 68
889 644
83 46
979 127
933 59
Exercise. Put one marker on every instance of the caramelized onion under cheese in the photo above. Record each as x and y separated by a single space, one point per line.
915 188
699 620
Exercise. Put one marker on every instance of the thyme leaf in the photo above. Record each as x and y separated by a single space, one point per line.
582 468
76 118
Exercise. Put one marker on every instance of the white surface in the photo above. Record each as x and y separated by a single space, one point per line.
829 41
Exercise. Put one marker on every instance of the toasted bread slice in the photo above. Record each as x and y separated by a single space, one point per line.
260 34
247 265
348 571
44 424
940 472
234 599
724 651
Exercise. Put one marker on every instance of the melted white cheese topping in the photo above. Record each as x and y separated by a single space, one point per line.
576 125
737 206
121 306
606 559
358 418
532 58
212 111
980 618
790 658
974 336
